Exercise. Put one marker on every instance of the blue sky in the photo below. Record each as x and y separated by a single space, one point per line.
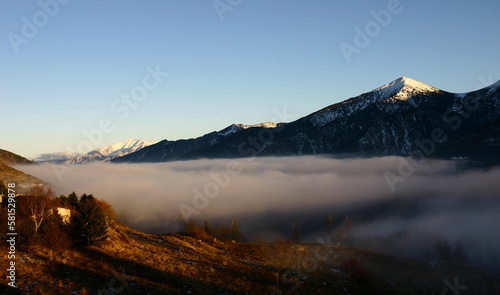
243 63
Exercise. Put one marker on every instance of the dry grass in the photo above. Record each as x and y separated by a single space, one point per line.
132 262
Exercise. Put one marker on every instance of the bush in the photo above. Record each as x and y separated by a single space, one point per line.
55 237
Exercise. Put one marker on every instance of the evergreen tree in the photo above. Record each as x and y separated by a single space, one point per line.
90 226
73 199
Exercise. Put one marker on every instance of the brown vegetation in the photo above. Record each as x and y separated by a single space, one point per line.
139 263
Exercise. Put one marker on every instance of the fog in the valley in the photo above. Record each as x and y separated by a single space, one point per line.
402 212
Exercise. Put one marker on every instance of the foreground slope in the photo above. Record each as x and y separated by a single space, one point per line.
403 117
132 262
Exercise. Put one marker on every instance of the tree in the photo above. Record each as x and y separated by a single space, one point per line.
208 228
330 229
295 233
90 226
348 225
235 231
55 236
190 227
458 253
107 210
223 233
443 249
73 199
37 205
348 229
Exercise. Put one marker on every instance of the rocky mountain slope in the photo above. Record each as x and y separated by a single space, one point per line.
404 117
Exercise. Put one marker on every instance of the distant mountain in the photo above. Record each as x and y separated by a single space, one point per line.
8 174
166 150
403 117
55 158
109 152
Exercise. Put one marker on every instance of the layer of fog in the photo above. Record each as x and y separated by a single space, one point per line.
269 195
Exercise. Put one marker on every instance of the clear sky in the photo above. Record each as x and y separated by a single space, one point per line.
65 66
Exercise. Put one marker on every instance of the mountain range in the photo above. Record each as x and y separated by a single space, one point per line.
404 117
109 152
102 154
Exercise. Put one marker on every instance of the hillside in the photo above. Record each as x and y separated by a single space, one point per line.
132 262
10 158
9 174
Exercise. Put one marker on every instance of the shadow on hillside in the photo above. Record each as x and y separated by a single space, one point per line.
4 289
79 278
137 272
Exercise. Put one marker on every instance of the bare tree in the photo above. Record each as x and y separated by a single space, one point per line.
38 204
443 249
55 237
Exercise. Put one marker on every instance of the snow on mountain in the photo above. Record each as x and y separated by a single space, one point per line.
494 87
56 158
238 127
394 119
400 89
404 88
110 152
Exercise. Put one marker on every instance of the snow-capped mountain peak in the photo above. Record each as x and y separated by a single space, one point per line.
123 147
400 89
109 152
403 88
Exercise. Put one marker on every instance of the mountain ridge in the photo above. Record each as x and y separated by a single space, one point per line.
389 120
9 174
109 152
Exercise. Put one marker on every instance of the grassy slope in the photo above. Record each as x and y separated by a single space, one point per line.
9 158
9 174
176 264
